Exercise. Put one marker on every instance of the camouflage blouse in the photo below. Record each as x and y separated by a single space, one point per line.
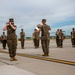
22 35
11 33
45 35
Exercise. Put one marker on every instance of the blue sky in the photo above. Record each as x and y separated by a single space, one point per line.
60 14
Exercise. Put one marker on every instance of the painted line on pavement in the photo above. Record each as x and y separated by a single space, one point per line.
43 58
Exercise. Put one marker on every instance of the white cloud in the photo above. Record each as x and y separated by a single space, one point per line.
28 13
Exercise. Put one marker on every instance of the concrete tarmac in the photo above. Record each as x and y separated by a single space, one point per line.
28 63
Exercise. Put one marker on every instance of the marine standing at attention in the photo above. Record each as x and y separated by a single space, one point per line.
4 40
22 35
73 37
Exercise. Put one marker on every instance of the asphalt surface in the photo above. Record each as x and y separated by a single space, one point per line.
30 61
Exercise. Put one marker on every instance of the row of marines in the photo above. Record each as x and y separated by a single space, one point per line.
45 38
59 38
3 39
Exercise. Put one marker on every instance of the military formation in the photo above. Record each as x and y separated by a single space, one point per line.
43 30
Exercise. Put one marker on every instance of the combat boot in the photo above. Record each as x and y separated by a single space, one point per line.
14 59
45 55
11 59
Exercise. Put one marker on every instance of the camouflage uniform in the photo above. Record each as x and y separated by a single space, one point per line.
61 38
11 41
22 35
45 37
36 38
73 38
57 37
4 40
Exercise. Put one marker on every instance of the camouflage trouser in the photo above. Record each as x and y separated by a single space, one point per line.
22 43
57 41
36 42
45 46
73 41
60 42
4 43
12 45
48 42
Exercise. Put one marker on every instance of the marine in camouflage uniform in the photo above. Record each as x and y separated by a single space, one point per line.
11 39
45 37
22 35
61 38
36 38
4 40
73 37
57 37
